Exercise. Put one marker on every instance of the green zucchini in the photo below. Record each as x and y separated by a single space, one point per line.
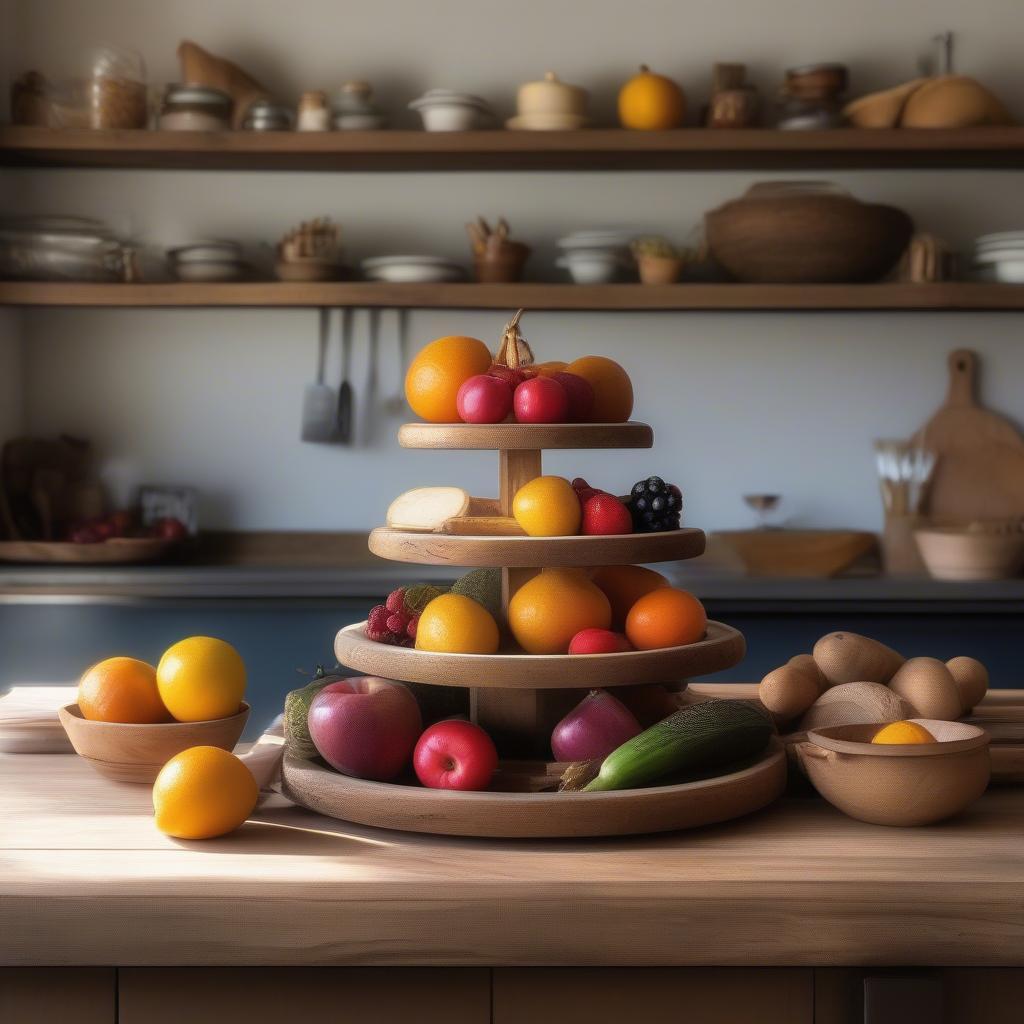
701 736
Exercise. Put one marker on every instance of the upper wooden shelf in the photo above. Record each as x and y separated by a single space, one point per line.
599 149
952 295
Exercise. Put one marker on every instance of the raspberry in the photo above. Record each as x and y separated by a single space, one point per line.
396 600
397 624
410 628
376 625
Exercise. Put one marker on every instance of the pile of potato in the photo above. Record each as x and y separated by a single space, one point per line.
870 679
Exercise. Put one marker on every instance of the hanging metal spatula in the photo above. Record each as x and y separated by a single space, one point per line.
346 398
319 400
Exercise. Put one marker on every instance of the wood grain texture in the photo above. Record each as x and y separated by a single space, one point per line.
530 552
383 995
537 815
947 295
709 996
599 149
116 551
69 995
520 436
85 878
722 648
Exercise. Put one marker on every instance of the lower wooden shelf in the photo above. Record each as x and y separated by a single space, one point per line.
951 295
722 648
413 808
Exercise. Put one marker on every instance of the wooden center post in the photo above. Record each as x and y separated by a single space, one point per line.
520 720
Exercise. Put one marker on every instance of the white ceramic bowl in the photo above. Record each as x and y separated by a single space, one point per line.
591 266
443 110
411 269
1002 272
209 270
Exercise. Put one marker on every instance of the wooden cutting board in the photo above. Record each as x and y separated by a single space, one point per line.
979 473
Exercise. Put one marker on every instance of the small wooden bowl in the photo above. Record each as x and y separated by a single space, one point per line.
898 784
957 554
127 752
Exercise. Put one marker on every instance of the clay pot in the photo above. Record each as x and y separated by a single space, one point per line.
506 264
659 269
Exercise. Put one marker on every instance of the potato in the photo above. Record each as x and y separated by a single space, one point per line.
971 678
859 703
928 686
851 658
791 689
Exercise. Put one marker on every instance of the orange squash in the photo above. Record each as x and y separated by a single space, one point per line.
651 103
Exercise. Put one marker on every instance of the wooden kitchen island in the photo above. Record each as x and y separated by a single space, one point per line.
789 915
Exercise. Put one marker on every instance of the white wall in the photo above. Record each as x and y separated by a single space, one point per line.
743 402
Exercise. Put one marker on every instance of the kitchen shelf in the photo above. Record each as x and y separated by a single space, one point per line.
599 149
952 295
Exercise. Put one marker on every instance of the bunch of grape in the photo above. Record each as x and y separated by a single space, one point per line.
394 622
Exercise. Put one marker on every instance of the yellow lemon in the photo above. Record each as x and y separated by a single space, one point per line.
903 732
200 679
547 506
203 792
455 624
546 612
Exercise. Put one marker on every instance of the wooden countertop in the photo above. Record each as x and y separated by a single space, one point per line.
85 878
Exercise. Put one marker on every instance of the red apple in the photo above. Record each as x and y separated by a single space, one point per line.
580 394
599 641
365 726
484 399
541 400
455 755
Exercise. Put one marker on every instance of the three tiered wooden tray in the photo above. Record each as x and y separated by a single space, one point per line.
517 697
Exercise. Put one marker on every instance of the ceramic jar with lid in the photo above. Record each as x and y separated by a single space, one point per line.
267 116
195 108
353 111
550 105
313 115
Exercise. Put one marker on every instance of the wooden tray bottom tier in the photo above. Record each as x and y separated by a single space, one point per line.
722 648
517 815
531 552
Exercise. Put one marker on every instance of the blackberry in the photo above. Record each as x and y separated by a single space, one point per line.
655 506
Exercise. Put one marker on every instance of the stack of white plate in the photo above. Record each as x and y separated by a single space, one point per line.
595 257
411 269
208 261
999 257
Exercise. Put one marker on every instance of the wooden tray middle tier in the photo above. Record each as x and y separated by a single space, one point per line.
532 552
524 436
721 648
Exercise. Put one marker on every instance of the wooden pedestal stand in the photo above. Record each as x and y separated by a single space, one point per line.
519 697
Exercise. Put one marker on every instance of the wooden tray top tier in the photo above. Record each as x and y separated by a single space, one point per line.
524 436
721 648
526 552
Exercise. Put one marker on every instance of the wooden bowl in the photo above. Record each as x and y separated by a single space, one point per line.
898 784
775 235
806 553
135 753
958 554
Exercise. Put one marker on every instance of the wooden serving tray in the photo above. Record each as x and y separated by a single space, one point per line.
721 648
116 550
512 437
519 815
527 552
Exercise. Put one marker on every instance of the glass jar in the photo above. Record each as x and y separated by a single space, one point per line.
116 89
195 108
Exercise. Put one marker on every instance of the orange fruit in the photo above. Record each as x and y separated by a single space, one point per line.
547 611
903 732
438 371
552 366
613 390
650 102
666 617
547 506
121 690
624 585
456 624
201 678
203 792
